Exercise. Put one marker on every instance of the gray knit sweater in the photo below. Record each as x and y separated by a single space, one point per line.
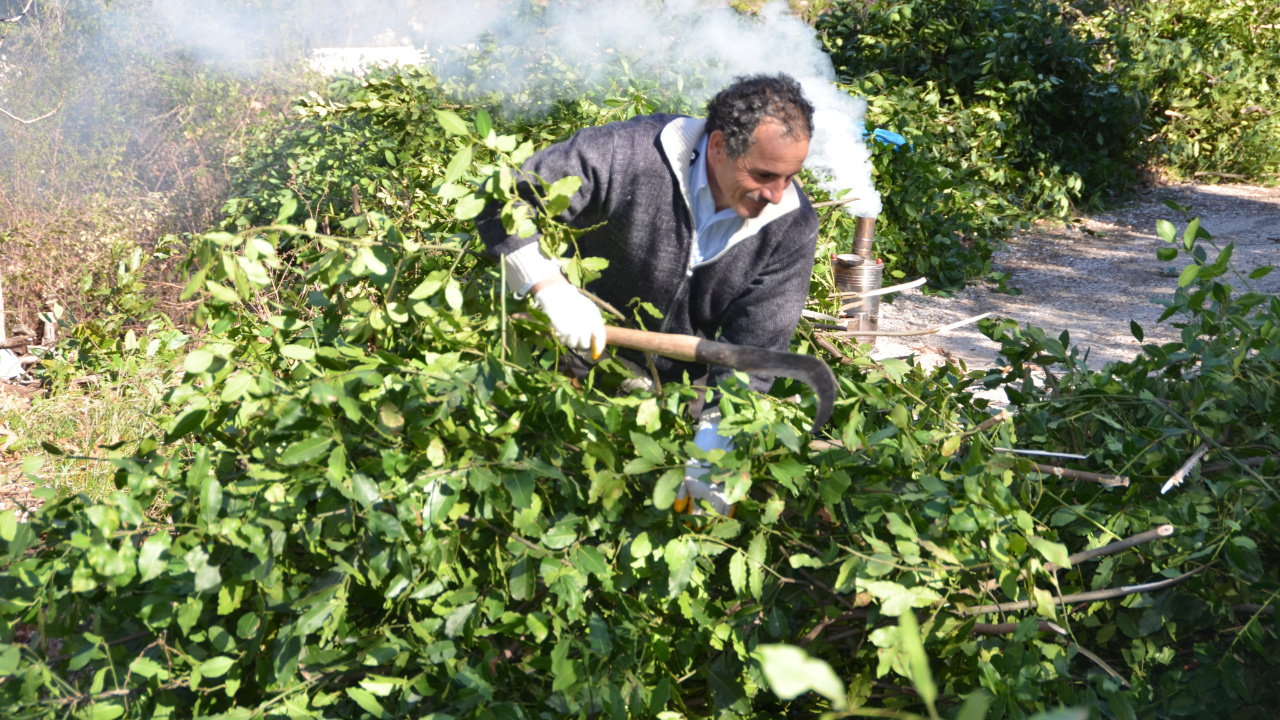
635 179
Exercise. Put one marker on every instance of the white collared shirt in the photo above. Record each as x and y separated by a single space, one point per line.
712 229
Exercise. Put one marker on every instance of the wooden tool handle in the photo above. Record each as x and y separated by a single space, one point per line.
676 347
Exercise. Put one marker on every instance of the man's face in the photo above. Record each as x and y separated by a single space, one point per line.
761 175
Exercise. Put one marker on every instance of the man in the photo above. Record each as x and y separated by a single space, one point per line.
701 218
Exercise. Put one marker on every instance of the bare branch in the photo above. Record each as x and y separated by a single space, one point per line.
1042 453
20 15
826 344
34 120
1009 627
990 422
1142 538
1082 476
1088 596
834 203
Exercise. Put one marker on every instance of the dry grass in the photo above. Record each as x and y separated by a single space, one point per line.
80 423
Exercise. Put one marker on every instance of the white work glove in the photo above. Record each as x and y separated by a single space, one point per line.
575 320
695 488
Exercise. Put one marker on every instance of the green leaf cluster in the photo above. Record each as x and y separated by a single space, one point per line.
381 497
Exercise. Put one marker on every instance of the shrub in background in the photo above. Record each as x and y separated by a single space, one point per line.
1211 69
137 147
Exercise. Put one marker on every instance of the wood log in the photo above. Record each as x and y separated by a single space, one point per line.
17 342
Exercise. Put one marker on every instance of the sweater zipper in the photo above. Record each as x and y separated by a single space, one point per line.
688 270
675 301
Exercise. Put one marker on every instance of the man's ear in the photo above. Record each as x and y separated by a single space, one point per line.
715 144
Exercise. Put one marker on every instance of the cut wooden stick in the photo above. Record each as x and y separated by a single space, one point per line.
1082 476
882 290
812 315
1141 538
910 333
1176 479
1093 596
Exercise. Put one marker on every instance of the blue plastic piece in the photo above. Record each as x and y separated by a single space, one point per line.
890 138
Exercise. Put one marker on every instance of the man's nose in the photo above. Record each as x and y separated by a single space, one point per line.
774 190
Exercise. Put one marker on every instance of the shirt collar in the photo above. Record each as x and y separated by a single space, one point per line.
699 186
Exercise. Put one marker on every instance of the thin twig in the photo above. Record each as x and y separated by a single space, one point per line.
1044 453
1010 627
834 203
989 423
32 120
826 344
1141 538
1253 609
1088 596
1176 479
523 541
604 305
1101 663
1247 462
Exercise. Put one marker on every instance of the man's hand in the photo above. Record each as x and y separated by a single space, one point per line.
575 320
695 487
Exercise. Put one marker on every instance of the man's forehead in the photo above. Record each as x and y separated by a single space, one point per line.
774 128
772 143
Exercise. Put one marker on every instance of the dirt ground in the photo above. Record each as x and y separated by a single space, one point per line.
1092 278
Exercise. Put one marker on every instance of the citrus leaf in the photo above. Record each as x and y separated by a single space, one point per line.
305 451
451 123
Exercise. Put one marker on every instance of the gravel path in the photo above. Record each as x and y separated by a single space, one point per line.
1093 277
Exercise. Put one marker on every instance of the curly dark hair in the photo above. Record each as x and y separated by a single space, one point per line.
738 110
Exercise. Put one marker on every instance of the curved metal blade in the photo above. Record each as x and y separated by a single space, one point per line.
806 368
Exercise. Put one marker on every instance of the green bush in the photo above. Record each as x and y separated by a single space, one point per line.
382 499
1211 69
1012 114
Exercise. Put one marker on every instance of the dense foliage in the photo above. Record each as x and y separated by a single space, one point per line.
1018 110
376 495
1211 71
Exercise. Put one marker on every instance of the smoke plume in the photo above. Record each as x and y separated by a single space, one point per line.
695 45
699 46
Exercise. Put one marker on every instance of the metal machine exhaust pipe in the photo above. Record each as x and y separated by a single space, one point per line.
860 272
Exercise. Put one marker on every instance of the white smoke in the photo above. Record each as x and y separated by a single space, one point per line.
705 44
698 45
